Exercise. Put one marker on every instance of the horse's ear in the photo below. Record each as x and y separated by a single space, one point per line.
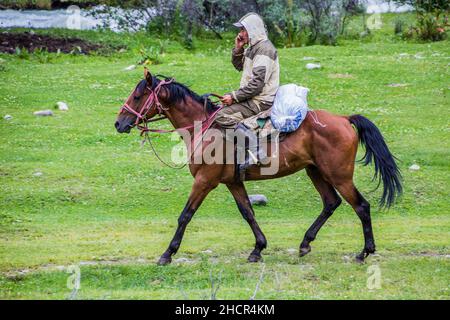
148 76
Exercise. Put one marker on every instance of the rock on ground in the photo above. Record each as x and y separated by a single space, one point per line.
43 113
414 167
397 85
258 199
62 106
129 68
311 66
183 260
8 117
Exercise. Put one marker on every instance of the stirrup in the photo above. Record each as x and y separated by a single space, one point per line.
242 168
254 158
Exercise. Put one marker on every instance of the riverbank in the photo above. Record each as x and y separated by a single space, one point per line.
15 43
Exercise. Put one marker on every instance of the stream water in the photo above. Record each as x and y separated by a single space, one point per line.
73 18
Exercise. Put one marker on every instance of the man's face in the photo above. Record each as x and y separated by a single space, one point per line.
243 35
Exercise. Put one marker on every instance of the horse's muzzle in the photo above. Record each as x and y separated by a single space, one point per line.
123 127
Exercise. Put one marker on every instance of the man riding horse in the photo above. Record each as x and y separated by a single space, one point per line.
326 153
259 82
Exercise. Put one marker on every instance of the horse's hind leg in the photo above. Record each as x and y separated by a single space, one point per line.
362 209
331 201
239 193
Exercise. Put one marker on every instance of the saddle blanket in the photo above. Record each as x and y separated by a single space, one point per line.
261 124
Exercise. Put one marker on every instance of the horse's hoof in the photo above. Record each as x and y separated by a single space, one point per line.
360 258
164 261
304 251
254 258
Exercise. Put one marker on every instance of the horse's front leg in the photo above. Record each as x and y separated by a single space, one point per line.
200 190
239 193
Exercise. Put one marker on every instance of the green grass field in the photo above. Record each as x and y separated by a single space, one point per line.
107 205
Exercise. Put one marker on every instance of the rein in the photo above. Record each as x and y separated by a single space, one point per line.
153 102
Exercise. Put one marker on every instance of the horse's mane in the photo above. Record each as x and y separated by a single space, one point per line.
179 91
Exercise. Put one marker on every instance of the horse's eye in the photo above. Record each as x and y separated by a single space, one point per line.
136 97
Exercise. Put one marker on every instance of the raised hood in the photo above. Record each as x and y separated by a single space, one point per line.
255 27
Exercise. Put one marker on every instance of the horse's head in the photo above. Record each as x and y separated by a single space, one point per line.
140 105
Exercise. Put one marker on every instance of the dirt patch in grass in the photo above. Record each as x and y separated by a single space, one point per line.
31 42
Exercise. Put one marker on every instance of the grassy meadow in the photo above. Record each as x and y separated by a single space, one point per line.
75 192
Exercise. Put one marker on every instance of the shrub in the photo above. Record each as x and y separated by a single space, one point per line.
22 53
149 56
327 18
432 19
429 27
399 27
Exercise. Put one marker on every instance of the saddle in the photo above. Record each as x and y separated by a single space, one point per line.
262 126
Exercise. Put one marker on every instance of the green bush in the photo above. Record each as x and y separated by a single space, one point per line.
149 56
399 26
22 53
428 28
432 19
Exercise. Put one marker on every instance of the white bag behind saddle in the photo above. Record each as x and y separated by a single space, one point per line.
289 107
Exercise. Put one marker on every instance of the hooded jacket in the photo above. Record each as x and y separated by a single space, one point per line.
258 63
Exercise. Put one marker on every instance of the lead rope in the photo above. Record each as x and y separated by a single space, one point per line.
147 138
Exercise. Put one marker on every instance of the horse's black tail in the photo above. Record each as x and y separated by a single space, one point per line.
386 169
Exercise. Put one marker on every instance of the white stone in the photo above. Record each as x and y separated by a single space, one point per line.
397 85
311 66
183 260
414 167
8 117
129 68
43 113
62 106
292 250
258 199
37 174
207 251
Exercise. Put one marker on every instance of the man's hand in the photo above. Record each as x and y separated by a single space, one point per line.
227 99
239 42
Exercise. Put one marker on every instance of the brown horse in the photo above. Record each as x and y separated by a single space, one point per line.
327 153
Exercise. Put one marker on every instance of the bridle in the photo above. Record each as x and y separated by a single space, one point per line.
150 104
153 103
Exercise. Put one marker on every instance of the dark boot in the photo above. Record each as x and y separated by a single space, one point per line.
253 154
